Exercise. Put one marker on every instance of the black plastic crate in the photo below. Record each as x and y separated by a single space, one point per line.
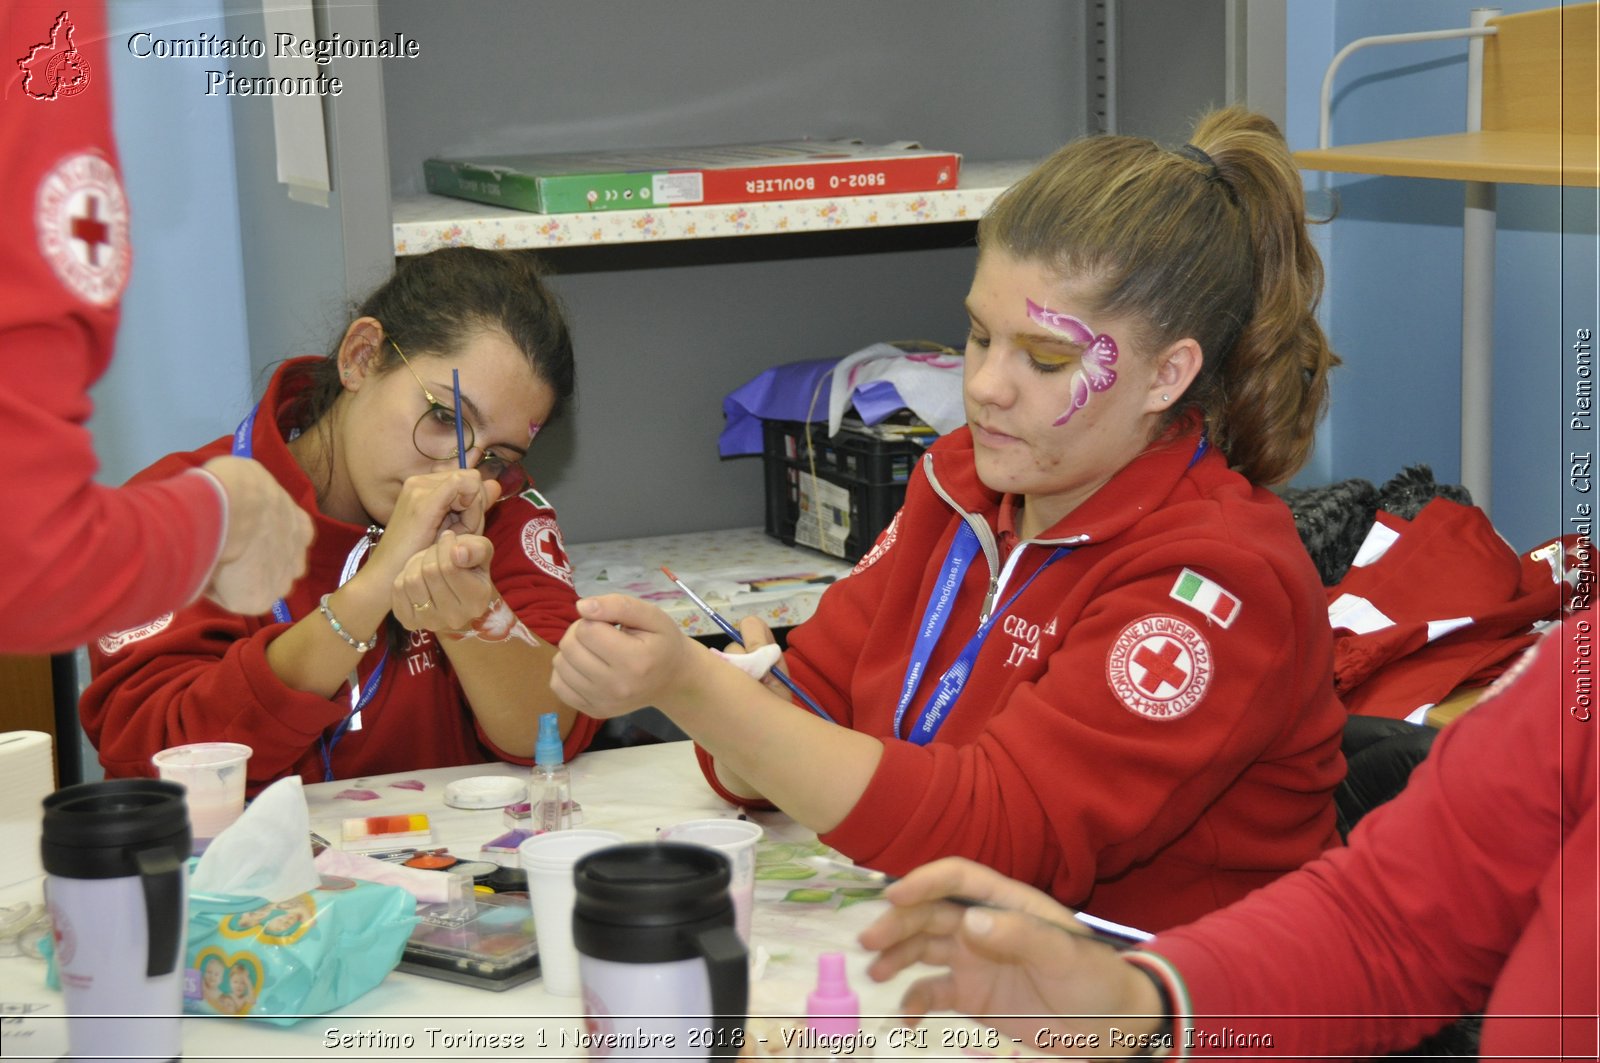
860 481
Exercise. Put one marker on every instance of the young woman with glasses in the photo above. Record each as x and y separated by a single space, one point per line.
423 632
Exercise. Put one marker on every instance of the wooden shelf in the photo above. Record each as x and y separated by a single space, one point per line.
1498 156
423 223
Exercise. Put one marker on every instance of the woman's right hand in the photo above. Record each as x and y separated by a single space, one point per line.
1011 956
457 499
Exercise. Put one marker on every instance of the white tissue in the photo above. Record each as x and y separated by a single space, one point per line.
928 384
27 775
756 663
266 853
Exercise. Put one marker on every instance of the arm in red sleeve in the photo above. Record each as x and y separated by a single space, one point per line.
64 259
534 575
1417 916
199 675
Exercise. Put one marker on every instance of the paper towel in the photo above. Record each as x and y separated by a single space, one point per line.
27 777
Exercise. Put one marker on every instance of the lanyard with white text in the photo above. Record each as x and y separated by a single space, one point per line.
937 710
359 695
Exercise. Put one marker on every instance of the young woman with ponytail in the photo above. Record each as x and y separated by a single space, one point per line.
1090 651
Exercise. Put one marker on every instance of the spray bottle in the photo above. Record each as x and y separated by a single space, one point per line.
551 788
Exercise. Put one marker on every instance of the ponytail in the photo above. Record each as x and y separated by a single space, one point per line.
1207 242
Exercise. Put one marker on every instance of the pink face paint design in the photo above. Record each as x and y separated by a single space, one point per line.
1094 372
533 431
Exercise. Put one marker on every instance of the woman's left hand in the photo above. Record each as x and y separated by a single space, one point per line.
446 586
620 655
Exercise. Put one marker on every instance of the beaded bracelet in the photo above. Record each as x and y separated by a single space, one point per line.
359 645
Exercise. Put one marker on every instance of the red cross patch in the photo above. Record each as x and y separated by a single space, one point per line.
1159 667
81 217
541 541
881 547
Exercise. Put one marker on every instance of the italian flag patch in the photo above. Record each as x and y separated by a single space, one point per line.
537 499
1216 604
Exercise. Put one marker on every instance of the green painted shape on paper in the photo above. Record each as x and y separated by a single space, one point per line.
809 896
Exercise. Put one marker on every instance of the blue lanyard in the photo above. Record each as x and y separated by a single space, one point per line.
943 699
243 448
940 603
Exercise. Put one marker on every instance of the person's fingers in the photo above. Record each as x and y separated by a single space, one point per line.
626 612
755 633
264 551
936 992
957 877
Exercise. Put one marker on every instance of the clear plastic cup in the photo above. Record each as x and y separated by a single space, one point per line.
212 775
549 859
736 839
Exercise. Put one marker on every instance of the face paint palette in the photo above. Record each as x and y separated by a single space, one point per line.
493 949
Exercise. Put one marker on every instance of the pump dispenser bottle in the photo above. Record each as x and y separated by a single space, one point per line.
550 790
832 1009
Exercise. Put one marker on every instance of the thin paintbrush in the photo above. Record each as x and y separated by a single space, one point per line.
733 633
461 436
1104 931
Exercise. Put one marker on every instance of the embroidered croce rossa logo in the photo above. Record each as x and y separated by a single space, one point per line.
54 69
1024 639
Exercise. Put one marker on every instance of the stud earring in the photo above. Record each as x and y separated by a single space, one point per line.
1166 398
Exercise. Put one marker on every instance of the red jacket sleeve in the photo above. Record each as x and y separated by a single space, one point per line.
534 575
199 675
64 257
1418 915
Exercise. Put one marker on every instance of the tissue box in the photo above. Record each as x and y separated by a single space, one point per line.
838 493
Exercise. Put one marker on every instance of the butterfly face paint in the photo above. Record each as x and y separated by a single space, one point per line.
1093 371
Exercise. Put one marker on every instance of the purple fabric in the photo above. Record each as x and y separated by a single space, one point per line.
784 393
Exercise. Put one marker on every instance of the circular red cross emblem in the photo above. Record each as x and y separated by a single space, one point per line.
541 541
82 220
1159 667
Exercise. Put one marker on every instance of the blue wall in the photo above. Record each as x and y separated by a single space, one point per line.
1393 308
181 374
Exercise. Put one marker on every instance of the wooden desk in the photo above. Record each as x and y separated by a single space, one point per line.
1536 124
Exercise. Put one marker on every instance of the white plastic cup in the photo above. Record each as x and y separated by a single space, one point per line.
548 859
212 775
736 839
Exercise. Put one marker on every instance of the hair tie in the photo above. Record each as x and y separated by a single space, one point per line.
1189 151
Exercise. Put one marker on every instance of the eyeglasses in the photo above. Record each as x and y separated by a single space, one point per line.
435 438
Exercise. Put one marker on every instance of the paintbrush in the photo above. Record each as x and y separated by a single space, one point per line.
1106 932
733 633
461 437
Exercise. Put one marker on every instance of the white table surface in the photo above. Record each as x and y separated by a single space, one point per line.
739 572
799 913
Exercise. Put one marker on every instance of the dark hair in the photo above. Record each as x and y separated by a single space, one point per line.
435 302
1213 250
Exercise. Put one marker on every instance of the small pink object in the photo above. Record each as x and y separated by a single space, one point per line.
357 795
408 784
832 1009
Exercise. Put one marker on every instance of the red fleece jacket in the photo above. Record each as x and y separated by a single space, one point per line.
1150 731
201 674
